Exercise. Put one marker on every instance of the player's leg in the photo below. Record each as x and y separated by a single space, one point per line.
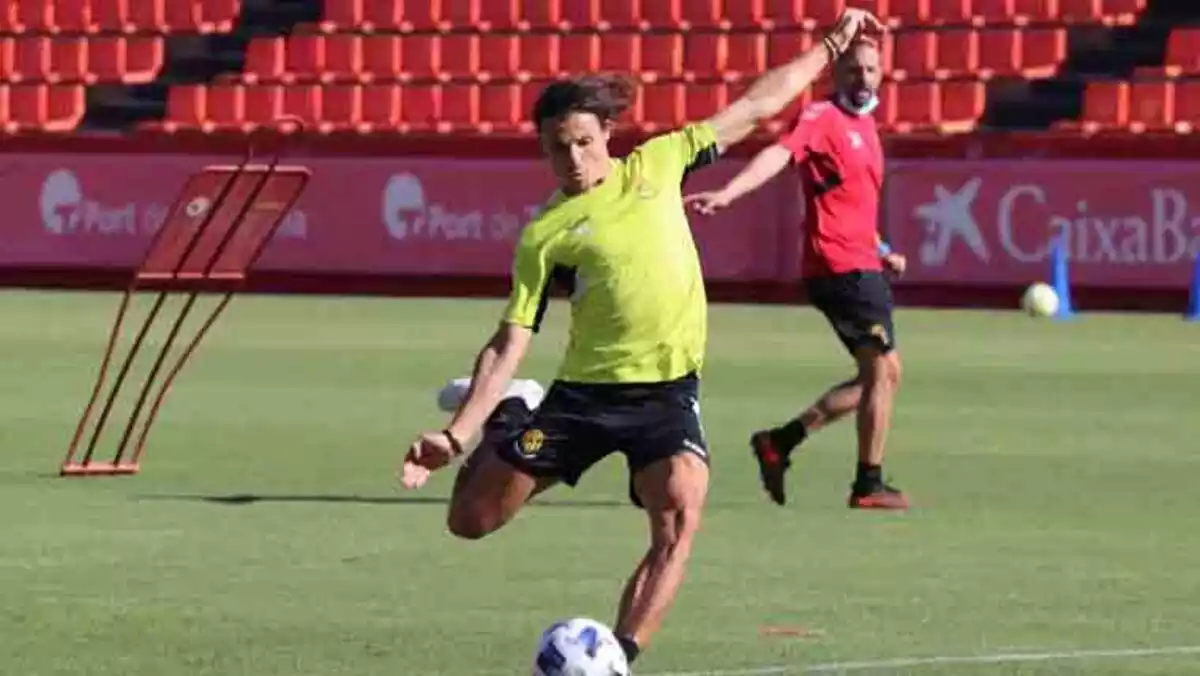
871 335
673 492
668 461
773 447
489 490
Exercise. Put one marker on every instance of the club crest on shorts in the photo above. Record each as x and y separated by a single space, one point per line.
881 333
531 442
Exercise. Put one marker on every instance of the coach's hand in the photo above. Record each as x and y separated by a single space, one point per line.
896 263
707 203
851 25
429 453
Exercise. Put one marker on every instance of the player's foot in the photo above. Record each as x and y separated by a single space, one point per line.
452 395
879 496
772 466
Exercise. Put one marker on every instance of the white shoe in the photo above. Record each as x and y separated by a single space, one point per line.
452 395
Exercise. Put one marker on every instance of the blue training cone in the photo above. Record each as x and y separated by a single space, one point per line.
1060 279
1193 308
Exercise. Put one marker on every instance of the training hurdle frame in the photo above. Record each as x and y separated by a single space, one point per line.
218 226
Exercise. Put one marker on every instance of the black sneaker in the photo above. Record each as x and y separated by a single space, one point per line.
772 466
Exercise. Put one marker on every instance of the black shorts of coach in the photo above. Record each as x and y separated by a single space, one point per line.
858 306
580 424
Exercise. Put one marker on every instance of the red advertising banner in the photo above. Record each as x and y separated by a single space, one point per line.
1124 223
362 216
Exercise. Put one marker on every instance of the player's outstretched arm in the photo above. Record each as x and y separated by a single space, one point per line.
495 367
775 90
766 165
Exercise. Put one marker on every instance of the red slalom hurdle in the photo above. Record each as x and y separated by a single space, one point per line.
217 228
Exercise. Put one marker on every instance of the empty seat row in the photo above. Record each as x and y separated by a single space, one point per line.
1183 52
123 16
1141 105
952 53
107 59
492 108
54 108
487 15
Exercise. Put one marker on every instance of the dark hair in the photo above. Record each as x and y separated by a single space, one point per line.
605 96
860 42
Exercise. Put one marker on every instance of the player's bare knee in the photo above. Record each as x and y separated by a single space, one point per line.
468 522
894 369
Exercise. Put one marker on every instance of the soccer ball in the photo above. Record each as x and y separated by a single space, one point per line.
579 647
1040 300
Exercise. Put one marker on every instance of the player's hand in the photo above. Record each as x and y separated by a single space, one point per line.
853 23
896 263
707 203
430 452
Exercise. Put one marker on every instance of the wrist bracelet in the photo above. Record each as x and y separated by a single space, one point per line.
454 444
884 249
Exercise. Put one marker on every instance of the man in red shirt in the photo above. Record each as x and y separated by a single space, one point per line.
835 148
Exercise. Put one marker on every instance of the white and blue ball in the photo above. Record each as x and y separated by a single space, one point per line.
579 647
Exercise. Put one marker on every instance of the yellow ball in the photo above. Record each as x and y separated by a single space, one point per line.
1040 300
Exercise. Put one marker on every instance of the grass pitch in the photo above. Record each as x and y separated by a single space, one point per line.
1052 465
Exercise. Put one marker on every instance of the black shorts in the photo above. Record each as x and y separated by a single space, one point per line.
859 307
580 424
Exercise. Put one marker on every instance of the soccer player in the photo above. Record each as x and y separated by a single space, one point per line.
616 233
835 149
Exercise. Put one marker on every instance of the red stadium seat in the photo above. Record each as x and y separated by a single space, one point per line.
380 108
30 60
185 108
498 56
72 16
745 55
464 14
917 105
1187 106
343 58
579 14
341 108
420 108
784 46
696 14
962 104
784 14
662 56
304 58
544 15
459 108
957 53
225 106
1105 106
660 106
702 101
499 107
263 106
68 60
999 52
993 11
908 12
264 60
823 13
703 55
914 53
1042 51
420 57
539 56
381 58
662 13
579 54
1183 51
499 15
422 15
620 52
303 102
1123 11
142 58
459 58
745 15
620 15
1151 105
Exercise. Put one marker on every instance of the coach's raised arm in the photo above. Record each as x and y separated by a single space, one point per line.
775 90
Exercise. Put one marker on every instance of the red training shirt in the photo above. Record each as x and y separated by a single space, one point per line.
840 161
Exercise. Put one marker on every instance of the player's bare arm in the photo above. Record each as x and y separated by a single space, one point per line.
775 90
766 165
495 367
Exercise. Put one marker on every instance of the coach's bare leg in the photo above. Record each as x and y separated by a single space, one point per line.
673 491
879 374
488 493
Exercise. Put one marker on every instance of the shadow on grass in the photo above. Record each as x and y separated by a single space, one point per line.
243 499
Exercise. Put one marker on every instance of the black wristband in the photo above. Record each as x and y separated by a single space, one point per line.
454 444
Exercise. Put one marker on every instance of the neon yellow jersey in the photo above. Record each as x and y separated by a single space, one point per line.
625 249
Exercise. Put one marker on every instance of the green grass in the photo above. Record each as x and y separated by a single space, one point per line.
1053 466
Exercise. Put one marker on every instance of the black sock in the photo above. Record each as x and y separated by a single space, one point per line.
868 476
630 647
789 436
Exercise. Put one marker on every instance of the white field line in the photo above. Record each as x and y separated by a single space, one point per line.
900 663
